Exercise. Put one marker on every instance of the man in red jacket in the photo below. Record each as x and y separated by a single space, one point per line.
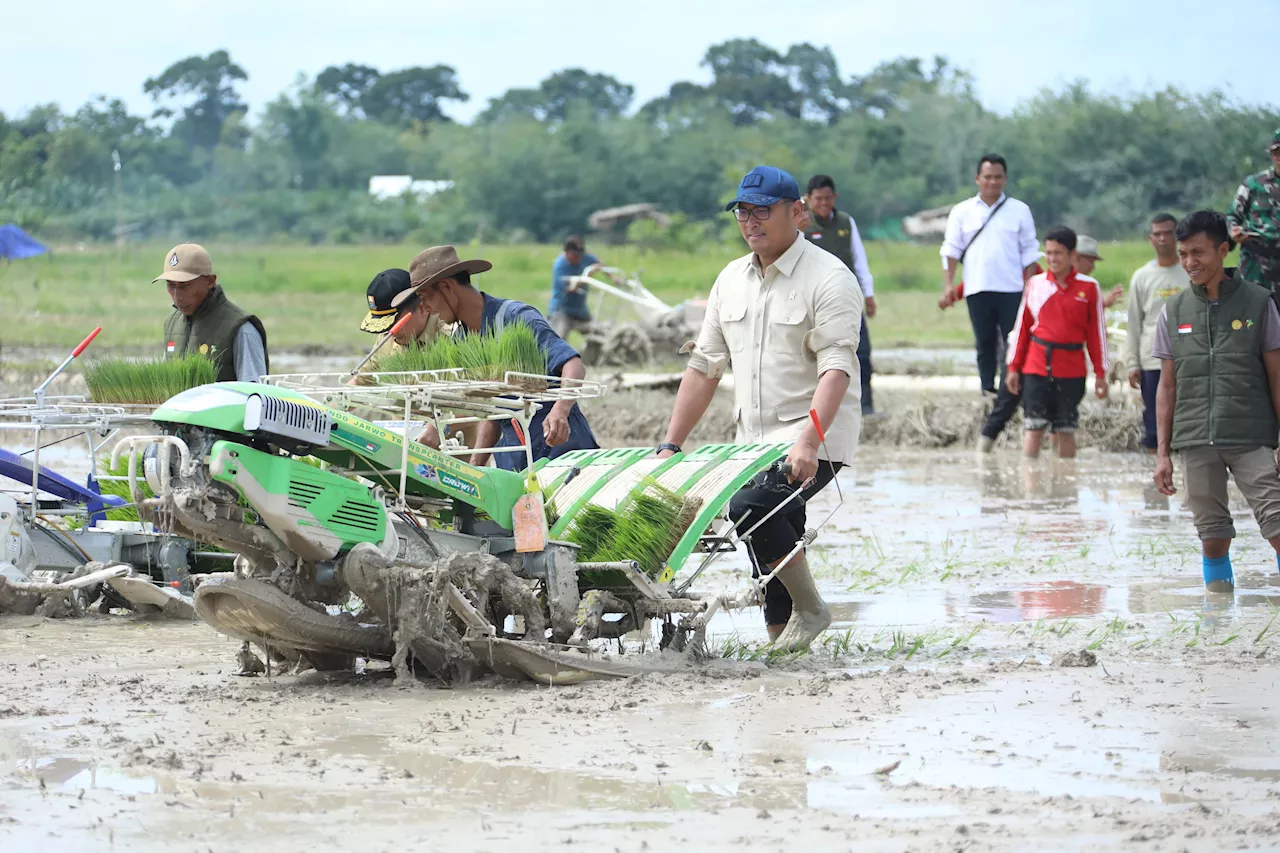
1061 315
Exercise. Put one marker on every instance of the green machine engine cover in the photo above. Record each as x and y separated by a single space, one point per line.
317 514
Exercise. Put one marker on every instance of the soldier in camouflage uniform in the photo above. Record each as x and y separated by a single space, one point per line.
1254 221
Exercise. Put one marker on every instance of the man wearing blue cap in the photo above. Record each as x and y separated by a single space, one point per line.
785 318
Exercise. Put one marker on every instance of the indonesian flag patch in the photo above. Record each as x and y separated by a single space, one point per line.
1184 329
170 347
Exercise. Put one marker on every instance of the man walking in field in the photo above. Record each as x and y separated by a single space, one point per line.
835 231
1087 258
205 322
994 237
1061 315
785 318
1218 402
568 310
1254 221
1150 288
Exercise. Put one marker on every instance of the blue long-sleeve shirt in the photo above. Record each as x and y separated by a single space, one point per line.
562 301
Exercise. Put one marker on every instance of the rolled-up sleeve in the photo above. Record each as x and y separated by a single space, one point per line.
837 317
710 353
1028 246
951 247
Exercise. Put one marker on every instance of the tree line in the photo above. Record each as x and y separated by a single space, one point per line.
536 160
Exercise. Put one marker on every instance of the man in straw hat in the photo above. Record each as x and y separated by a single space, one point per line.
205 322
442 283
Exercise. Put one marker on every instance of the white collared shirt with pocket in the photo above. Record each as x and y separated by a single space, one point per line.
996 258
779 331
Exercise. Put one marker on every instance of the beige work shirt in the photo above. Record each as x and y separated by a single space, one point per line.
779 331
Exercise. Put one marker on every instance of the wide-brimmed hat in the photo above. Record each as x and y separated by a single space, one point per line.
385 287
438 262
185 262
1087 246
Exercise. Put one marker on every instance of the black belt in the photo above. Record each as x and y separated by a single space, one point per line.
1049 347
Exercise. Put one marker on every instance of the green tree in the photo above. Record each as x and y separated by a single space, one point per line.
413 94
208 83
347 86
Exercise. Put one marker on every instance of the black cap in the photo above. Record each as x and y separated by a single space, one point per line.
385 286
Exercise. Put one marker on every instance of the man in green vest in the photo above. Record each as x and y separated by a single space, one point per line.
835 231
1218 402
205 322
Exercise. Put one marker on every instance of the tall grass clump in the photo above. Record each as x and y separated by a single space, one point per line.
485 357
146 381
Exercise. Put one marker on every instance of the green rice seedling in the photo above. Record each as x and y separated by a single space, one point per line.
1262 635
433 355
591 530
120 489
648 528
121 381
517 349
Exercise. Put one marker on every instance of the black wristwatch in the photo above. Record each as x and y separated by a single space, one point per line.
666 445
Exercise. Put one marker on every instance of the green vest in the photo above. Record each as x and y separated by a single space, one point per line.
834 235
1223 398
211 332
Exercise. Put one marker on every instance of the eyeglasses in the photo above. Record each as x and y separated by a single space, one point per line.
745 213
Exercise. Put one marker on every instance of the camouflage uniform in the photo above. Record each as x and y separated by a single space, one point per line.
1257 210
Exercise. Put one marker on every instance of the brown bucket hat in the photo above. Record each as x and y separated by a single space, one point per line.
431 265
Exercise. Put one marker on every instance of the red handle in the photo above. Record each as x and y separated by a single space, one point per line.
85 343
400 324
817 424
519 432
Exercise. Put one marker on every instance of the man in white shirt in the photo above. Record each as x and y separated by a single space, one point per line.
994 237
785 317
835 231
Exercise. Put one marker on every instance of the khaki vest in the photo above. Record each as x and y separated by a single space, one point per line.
835 236
211 332
1223 398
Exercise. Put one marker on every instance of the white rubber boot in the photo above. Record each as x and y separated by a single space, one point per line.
809 613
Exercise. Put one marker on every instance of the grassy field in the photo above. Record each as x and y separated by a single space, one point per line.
312 297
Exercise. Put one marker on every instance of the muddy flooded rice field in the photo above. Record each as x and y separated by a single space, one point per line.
1023 657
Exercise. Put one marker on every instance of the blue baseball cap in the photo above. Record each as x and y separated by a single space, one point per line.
765 185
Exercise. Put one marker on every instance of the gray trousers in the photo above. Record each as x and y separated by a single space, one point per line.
1204 472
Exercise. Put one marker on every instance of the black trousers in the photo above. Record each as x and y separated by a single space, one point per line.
776 537
992 316
864 366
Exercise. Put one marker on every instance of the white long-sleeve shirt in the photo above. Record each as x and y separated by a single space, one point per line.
860 268
995 260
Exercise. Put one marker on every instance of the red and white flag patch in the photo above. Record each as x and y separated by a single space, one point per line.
170 347
1184 329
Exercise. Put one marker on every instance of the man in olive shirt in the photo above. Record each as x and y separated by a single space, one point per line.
1218 403
785 318
1150 287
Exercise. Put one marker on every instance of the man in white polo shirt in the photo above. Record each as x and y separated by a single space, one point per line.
994 237
785 318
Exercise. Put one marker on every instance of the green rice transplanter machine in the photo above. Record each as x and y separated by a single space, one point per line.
321 503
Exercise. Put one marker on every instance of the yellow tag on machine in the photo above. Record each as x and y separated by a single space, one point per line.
529 518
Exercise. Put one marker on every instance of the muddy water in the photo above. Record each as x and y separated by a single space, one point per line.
931 716
927 539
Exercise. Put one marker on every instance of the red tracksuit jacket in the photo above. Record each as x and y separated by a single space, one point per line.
1064 313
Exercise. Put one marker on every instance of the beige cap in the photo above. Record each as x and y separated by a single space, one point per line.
185 262
1087 246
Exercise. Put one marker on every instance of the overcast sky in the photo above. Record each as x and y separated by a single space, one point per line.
68 51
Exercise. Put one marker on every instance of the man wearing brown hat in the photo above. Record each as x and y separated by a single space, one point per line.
204 322
443 285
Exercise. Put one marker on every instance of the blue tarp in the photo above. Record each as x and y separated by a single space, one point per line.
14 243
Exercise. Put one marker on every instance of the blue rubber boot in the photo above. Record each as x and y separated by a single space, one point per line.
1217 574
